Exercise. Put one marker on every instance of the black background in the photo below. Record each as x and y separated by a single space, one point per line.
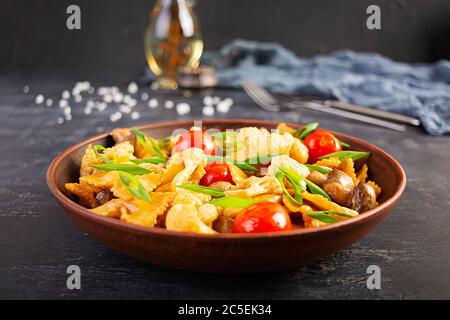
34 37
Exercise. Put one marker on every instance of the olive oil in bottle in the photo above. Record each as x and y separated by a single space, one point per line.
172 40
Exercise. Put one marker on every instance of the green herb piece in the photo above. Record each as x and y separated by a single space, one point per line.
102 157
324 216
128 168
138 190
315 189
242 166
354 155
140 137
342 143
153 160
279 175
306 130
201 189
321 169
233 202
156 148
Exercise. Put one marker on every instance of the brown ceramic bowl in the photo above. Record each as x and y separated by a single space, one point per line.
225 253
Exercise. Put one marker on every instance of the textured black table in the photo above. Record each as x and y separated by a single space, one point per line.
38 241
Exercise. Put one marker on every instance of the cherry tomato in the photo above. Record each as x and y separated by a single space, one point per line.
196 139
320 143
263 217
216 171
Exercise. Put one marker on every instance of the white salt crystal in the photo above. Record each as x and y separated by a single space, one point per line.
153 103
49 102
65 94
63 103
60 120
208 100
78 98
144 96
216 100
224 106
124 108
208 111
183 108
101 106
108 98
91 90
68 117
135 115
26 89
169 104
39 99
118 97
115 116
132 88
87 110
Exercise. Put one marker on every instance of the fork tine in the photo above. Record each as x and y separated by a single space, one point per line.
250 90
263 93
260 92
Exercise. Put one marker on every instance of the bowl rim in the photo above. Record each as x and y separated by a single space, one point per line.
74 207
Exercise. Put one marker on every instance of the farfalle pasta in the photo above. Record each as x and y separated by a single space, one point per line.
245 181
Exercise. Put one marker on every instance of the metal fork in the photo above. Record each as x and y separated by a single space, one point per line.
268 102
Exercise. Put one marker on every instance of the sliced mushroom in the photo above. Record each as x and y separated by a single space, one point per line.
339 186
223 224
103 197
364 198
317 178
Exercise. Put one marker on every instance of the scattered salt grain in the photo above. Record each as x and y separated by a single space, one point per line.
153 103
124 108
135 115
208 100
60 120
68 117
101 106
108 98
115 116
144 96
183 108
154 86
78 98
87 110
208 111
132 88
216 100
26 89
131 102
169 104
65 94
67 111
49 102
225 105
39 99
118 97
91 90
63 103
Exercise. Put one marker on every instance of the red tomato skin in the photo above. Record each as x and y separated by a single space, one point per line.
320 143
196 139
263 217
215 172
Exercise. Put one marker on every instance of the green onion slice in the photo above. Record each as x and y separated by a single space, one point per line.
354 155
324 216
315 189
201 189
153 160
321 169
128 168
233 202
279 175
138 190
306 130
102 157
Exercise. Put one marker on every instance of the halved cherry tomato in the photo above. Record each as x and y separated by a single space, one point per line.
320 143
196 139
216 171
263 217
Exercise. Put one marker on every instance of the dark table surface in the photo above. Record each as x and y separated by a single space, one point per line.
38 241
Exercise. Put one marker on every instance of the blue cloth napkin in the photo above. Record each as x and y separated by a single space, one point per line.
369 79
